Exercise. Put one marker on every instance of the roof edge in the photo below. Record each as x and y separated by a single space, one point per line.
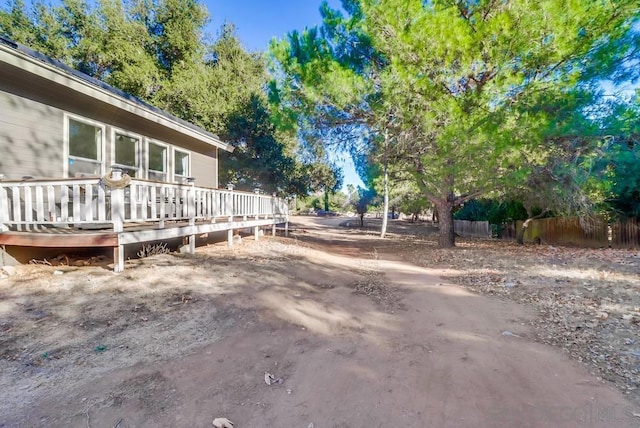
20 51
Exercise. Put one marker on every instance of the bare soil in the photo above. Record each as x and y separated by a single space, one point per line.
355 330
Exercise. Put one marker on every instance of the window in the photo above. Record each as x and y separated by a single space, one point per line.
157 163
181 165
127 153
85 141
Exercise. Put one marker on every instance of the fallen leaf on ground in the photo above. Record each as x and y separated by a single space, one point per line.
268 378
222 423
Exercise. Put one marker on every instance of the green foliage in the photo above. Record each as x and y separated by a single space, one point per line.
155 50
618 164
496 212
338 202
474 95
260 160
366 197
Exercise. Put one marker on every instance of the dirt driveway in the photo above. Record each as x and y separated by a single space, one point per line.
353 332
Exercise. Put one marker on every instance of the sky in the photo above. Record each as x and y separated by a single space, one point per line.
259 21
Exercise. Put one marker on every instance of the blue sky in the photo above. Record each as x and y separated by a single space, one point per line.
258 21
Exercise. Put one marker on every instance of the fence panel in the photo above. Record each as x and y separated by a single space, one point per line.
479 229
568 231
626 233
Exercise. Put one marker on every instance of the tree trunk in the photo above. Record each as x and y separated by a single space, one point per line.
361 219
525 225
522 231
385 211
447 237
326 200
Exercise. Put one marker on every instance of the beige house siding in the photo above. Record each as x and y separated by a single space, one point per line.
204 169
31 138
33 116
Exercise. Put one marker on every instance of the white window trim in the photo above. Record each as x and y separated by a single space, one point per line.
141 144
65 127
167 161
173 168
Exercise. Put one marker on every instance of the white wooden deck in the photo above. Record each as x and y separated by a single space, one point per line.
85 212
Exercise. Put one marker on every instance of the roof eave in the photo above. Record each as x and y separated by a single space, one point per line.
53 73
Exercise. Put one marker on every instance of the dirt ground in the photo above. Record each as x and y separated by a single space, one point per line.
356 332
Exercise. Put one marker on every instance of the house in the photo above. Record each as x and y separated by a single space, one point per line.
83 164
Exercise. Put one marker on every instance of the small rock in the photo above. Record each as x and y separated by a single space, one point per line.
57 272
629 341
509 333
602 316
222 423
268 378
627 317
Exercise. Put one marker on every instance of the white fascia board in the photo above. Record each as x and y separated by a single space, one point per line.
50 72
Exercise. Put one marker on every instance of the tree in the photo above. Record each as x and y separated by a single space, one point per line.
38 28
155 50
454 82
617 165
361 205
259 160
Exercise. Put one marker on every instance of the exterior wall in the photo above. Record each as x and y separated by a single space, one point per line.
204 169
31 138
33 115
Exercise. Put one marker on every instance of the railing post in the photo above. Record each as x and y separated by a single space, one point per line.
256 204
117 216
274 203
4 208
286 218
117 209
229 209
191 210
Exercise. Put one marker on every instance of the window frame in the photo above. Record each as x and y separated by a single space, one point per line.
66 140
167 162
183 178
139 147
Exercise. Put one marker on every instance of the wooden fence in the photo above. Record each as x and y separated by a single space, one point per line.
625 233
593 233
479 229
568 231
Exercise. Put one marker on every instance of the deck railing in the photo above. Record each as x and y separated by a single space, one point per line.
89 203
